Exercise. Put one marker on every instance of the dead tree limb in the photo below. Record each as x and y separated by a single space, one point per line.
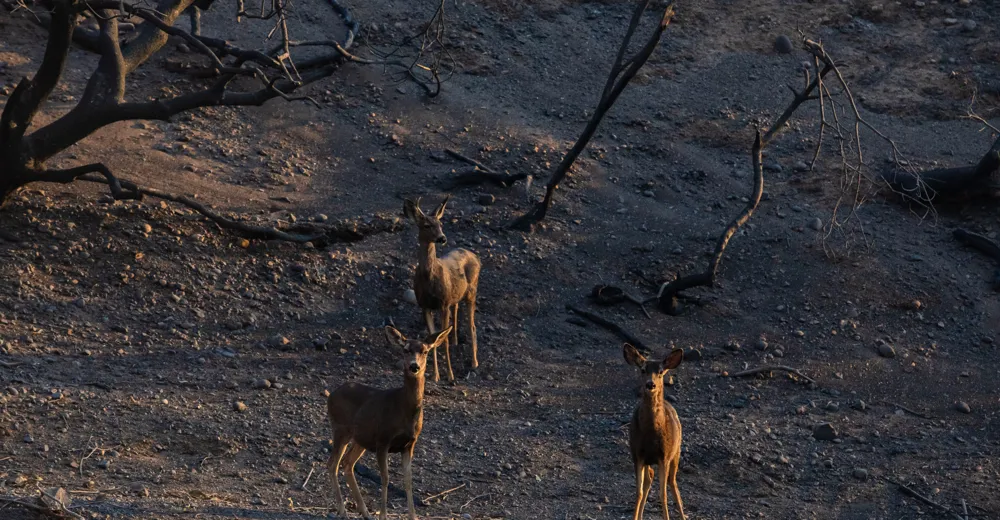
627 70
984 245
977 180
911 492
611 326
317 234
667 296
772 368
23 154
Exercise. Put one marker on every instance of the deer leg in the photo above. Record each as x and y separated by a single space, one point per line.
640 490
383 466
664 476
445 322
350 460
332 470
470 301
408 481
673 485
429 318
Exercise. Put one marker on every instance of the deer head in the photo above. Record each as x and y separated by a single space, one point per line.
429 227
415 351
651 372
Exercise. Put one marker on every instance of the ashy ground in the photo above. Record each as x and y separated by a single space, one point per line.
128 330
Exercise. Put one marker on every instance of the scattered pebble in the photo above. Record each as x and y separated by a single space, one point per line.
487 199
783 44
278 341
239 406
800 166
262 384
885 350
816 224
761 343
963 407
410 296
824 432
860 474
969 26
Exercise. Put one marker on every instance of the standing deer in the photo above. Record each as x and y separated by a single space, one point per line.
654 435
441 283
383 421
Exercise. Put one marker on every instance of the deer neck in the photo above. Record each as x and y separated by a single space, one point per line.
413 390
652 405
427 258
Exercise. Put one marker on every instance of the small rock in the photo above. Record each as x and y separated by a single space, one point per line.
103 463
860 474
816 224
410 296
146 228
320 218
139 489
761 343
183 47
950 21
828 463
783 459
772 166
963 407
320 343
783 44
487 199
692 354
262 384
824 432
832 406
969 26
733 346
239 406
800 166
80 303
885 350
56 500
859 405
649 193
28 439
278 341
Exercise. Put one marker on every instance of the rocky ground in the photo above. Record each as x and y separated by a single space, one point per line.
158 367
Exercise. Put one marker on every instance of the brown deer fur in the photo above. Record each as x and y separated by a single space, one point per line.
383 421
654 435
441 283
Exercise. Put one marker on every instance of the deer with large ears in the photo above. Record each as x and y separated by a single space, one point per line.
440 284
654 435
383 421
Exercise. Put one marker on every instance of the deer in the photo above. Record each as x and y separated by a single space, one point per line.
382 421
440 284
654 434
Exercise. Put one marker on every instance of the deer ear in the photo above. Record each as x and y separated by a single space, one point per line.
435 340
632 356
395 338
439 212
673 359
411 208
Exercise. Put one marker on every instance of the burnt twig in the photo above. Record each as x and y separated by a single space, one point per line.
771 368
611 326
911 492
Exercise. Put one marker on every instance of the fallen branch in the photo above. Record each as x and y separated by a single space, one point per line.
475 176
627 70
926 186
771 368
611 326
667 296
907 410
609 295
319 235
444 493
978 242
10 364
469 160
911 492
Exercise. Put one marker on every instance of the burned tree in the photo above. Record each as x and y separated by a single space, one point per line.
233 77
24 154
